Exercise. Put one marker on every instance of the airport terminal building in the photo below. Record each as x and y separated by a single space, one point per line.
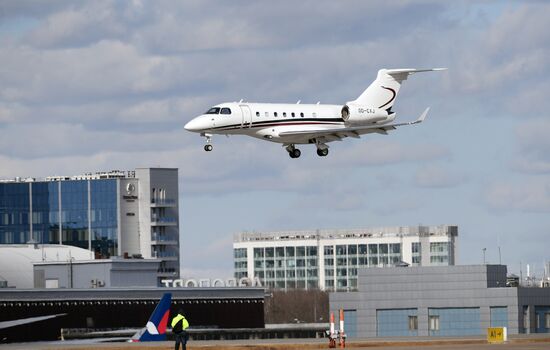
111 214
330 259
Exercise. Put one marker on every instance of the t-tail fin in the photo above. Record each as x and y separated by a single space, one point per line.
382 92
155 329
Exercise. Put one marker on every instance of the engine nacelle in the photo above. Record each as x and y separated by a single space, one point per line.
360 115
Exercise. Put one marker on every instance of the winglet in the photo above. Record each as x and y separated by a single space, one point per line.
422 116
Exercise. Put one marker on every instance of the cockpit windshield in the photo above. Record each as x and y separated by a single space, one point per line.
213 110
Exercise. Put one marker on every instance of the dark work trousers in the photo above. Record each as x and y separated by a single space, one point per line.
181 338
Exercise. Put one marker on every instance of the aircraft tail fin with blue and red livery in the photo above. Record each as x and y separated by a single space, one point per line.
155 329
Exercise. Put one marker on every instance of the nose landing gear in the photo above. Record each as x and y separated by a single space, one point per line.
208 147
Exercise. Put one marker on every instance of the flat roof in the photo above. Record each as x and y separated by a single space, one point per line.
98 261
388 231
62 294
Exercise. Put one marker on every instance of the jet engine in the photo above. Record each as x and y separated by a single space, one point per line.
361 115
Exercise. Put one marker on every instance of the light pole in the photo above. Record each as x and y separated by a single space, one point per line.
484 249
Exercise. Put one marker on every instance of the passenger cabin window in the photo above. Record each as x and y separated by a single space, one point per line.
213 110
257 114
314 114
275 114
302 115
292 114
284 114
225 110
266 114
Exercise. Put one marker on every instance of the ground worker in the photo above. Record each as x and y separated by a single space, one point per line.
179 328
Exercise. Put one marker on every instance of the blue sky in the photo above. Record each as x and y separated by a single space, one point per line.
103 85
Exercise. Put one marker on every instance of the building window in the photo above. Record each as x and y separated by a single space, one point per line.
373 249
439 260
547 320
439 247
329 250
240 253
289 251
434 323
413 323
258 252
341 250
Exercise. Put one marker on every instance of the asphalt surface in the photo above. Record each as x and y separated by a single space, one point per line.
527 342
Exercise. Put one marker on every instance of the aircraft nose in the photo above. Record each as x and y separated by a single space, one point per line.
194 125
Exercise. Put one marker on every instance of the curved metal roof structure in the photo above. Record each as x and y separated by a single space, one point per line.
16 260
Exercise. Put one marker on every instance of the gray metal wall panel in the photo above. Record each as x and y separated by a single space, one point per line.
431 287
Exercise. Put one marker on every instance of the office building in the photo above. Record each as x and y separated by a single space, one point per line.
117 213
441 301
330 259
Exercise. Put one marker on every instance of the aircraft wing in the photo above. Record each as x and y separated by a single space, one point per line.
22 321
354 131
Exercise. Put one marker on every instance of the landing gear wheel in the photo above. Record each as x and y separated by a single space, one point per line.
295 153
208 148
322 152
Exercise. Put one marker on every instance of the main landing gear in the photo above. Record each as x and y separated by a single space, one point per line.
293 152
208 147
322 152
322 149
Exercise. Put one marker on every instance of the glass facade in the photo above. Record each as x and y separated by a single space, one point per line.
397 322
14 213
454 321
416 250
48 208
341 268
439 253
74 213
103 216
241 263
287 267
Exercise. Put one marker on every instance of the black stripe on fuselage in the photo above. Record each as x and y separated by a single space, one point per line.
280 122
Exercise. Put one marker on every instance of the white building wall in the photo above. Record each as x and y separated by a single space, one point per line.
128 200
405 236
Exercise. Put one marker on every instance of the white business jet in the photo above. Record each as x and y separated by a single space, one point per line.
318 124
